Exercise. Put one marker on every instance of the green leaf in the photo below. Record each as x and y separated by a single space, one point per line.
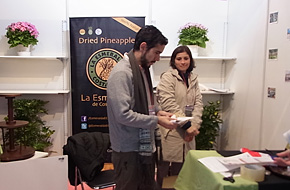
193 36
209 129
18 37
35 134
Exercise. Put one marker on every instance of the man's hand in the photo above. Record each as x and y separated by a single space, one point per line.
165 120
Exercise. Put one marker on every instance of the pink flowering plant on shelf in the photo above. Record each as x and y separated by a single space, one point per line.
21 33
193 34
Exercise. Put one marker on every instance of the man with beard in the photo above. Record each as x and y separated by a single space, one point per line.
132 114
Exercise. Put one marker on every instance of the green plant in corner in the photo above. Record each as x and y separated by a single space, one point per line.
209 129
36 134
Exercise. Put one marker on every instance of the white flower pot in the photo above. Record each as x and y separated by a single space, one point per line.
194 50
24 51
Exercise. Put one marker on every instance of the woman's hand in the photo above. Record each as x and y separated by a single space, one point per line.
190 133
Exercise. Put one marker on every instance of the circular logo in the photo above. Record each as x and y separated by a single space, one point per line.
100 64
98 31
82 31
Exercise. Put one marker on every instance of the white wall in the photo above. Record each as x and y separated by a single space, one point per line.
108 8
167 15
170 15
47 16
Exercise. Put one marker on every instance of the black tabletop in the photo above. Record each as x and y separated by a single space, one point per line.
272 181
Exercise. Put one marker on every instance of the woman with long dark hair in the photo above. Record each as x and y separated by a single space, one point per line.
178 93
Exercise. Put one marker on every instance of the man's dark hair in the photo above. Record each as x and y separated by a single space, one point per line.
151 35
178 50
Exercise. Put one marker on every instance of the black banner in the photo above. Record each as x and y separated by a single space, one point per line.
96 45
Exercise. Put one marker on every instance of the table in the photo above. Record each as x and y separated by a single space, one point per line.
195 176
271 182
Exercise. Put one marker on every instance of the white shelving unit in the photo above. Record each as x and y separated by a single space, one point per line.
40 77
56 74
45 74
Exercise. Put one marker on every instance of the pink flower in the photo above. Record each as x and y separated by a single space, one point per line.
24 26
191 24
23 33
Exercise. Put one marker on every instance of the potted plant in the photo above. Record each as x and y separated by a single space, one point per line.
193 35
209 129
22 34
36 134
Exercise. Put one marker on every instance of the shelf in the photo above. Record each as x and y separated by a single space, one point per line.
211 93
34 91
216 93
34 57
204 58
37 154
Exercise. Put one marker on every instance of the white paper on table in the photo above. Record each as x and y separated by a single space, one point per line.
236 160
214 164
225 164
246 158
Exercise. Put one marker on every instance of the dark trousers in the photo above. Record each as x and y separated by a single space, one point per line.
134 172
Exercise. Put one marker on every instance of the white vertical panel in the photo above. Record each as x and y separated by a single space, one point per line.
276 113
247 41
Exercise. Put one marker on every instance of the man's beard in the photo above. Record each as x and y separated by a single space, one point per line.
144 61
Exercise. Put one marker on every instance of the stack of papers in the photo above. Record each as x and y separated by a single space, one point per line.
226 164
246 158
